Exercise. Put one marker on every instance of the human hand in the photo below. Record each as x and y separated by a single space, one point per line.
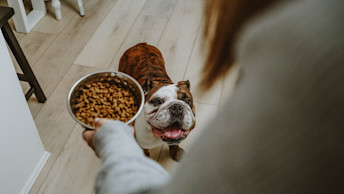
88 135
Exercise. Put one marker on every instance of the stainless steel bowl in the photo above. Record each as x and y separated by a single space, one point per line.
118 77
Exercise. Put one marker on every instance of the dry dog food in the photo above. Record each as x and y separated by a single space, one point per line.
105 100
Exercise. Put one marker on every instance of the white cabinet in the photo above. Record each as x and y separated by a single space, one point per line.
22 154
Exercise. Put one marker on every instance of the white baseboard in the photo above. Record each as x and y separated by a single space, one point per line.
35 173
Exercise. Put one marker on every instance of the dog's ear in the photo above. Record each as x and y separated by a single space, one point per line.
185 83
147 86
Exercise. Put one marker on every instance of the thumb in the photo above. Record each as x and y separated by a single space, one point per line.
132 129
100 122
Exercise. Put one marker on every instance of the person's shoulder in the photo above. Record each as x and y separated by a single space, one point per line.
305 23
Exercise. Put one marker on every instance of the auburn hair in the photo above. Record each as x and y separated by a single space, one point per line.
223 22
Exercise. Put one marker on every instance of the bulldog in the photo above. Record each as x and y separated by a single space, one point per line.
169 113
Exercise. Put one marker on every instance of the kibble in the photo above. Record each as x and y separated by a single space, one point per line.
105 100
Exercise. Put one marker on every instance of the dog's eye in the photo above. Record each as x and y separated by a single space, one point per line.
188 101
157 101
182 96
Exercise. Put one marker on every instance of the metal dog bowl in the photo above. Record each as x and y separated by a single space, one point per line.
118 77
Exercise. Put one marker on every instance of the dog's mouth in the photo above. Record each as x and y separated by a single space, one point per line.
173 133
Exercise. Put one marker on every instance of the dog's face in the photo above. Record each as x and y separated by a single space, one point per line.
170 112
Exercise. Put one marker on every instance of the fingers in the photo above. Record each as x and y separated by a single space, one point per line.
100 122
88 136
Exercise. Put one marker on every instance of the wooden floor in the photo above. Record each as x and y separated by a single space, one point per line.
60 52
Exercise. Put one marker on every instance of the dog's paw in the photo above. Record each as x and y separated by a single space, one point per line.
176 152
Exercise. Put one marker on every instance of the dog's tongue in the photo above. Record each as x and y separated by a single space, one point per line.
172 132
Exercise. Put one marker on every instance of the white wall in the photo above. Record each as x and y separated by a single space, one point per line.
22 154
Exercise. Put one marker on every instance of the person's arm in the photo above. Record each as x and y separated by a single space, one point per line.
125 169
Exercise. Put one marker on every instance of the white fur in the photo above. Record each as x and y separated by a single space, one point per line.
160 118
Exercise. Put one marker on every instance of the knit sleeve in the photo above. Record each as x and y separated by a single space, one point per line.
125 169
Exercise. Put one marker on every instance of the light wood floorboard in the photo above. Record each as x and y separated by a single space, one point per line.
159 8
146 29
54 123
75 166
179 36
52 66
35 44
108 38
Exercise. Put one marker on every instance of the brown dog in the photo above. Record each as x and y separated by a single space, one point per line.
169 113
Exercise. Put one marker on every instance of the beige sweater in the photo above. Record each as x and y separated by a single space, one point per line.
282 131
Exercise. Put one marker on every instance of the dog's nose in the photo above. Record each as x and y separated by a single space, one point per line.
176 109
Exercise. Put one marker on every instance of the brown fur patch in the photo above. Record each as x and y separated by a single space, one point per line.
144 61
185 95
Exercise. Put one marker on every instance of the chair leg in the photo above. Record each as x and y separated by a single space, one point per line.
28 75
81 8
56 4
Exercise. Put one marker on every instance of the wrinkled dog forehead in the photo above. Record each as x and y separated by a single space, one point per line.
168 93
